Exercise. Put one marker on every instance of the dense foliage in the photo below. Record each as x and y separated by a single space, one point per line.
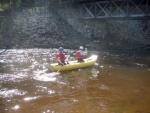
6 4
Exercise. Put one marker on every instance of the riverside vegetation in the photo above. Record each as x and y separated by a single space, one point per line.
50 23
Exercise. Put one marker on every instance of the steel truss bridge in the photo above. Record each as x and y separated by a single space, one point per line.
115 9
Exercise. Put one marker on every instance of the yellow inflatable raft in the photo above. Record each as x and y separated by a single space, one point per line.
74 64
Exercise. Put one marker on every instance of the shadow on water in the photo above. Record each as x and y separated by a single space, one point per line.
3 105
1 63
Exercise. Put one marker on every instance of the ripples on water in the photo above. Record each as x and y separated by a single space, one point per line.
117 83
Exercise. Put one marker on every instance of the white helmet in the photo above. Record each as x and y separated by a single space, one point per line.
81 47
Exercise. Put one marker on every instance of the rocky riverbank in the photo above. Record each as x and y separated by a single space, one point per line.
55 25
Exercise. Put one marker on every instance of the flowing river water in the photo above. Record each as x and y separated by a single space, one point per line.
117 83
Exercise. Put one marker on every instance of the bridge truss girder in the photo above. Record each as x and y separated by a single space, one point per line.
116 9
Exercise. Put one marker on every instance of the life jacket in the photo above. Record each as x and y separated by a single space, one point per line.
61 56
78 55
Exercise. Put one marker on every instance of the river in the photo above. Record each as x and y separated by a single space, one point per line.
117 83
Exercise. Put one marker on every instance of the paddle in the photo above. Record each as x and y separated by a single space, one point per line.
67 58
48 67
59 69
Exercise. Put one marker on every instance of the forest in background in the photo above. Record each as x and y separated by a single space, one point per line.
8 4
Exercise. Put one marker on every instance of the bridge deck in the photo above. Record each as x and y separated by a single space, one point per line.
127 9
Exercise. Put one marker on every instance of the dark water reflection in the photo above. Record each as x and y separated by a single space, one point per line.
117 83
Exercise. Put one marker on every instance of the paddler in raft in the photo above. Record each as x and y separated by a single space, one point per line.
60 57
80 54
